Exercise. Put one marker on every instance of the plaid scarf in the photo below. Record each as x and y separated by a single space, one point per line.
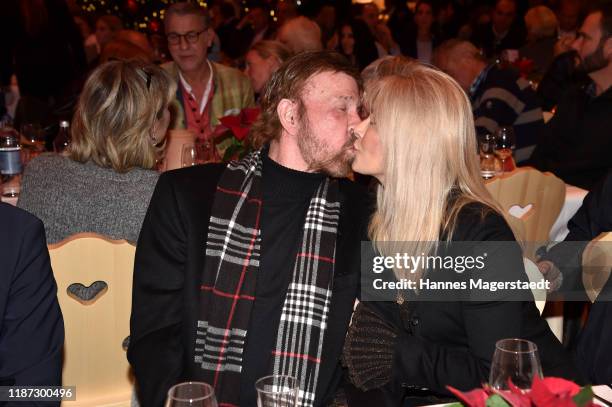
230 273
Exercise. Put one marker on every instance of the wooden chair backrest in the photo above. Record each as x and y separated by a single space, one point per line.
597 264
539 195
96 327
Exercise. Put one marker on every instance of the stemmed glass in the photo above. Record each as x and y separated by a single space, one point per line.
200 152
35 134
517 360
489 163
505 141
189 155
191 394
277 391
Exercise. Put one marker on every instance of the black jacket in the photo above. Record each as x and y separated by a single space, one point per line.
484 38
575 145
31 324
169 260
452 343
594 346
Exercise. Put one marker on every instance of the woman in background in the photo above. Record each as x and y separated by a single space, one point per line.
419 143
105 182
262 60
356 42
422 39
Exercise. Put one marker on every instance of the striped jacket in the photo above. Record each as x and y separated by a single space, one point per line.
232 93
501 98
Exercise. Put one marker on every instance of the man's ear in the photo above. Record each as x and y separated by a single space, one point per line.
210 37
287 114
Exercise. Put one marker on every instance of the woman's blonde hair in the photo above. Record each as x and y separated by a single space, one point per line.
268 48
426 127
117 111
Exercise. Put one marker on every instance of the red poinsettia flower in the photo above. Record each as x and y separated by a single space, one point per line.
525 66
515 396
240 124
553 391
250 114
473 398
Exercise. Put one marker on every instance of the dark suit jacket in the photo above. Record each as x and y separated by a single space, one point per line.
575 143
169 260
484 38
31 324
594 347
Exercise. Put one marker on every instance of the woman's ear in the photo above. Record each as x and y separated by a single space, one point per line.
287 114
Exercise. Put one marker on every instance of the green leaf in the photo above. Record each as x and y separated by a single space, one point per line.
454 405
497 401
584 397
232 151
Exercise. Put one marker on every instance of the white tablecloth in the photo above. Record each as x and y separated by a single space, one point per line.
573 200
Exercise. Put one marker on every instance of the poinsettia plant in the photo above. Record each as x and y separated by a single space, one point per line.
546 392
231 135
524 66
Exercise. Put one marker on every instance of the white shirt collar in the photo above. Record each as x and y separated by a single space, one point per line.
207 90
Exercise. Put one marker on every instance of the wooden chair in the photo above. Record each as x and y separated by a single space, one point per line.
531 200
94 279
597 264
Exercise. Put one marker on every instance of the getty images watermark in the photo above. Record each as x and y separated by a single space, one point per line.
453 271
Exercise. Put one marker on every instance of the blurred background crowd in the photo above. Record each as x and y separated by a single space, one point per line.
49 46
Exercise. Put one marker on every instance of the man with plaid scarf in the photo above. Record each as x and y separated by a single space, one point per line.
252 268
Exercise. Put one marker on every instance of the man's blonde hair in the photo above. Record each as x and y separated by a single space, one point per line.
426 127
116 114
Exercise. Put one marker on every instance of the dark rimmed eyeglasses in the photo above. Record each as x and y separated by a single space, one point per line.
191 37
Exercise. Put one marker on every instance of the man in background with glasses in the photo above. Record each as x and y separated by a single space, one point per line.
206 90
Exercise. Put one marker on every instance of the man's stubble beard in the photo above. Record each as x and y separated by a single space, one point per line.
594 61
316 154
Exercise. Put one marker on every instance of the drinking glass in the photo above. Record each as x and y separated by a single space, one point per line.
205 152
277 391
505 141
517 360
35 135
191 394
11 187
200 152
489 163
189 155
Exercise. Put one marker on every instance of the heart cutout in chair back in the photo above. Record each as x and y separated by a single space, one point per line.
520 212
87 295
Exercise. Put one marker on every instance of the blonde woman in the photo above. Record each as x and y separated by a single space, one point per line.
105 182
262 60
419 143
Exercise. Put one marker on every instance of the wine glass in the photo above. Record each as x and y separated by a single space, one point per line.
517 360
191 394
489 163
277 391
35 135
505 142
189 155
